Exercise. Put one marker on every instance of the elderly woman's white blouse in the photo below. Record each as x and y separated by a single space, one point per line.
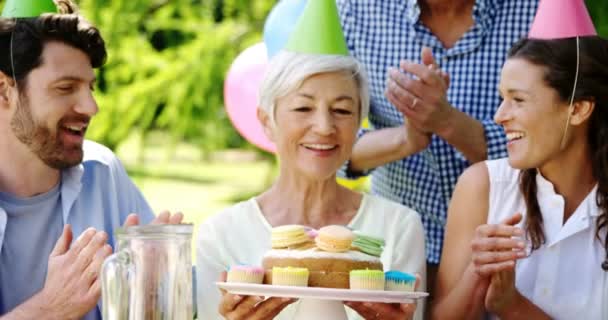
241 235
564 276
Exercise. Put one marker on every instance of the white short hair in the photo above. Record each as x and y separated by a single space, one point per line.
287 71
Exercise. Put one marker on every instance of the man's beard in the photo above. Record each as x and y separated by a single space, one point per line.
43 142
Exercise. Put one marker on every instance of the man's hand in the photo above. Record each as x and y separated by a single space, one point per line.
423 100
164 217
420 93
72 287
416 140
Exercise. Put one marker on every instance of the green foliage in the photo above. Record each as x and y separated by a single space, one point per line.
599 13
166 66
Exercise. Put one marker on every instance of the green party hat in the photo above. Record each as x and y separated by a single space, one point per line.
28 8
318 30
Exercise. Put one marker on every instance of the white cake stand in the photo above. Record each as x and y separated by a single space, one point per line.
320 309
321 303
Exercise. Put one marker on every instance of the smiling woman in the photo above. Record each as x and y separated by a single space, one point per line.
312 101
533 227
311 107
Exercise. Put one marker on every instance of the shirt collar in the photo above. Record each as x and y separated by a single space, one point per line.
546 188
71 184
482 10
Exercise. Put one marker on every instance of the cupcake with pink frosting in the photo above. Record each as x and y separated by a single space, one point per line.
245 274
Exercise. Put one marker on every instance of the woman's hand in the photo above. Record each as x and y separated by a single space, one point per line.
376 310
496 247
388 311
234 307
501 292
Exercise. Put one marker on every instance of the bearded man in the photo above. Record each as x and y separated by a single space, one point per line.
53 183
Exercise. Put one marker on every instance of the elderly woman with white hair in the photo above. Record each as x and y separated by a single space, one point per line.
311 107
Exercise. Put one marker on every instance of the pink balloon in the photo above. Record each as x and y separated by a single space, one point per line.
241 94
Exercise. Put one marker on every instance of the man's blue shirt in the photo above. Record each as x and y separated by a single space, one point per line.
381 33
97 193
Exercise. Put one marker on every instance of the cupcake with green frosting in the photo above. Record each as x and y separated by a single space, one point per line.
367 280
290 276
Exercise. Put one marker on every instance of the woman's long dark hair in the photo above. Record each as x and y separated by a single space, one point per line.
558 57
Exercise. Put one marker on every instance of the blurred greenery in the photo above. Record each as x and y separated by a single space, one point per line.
184 183
599 13
166 66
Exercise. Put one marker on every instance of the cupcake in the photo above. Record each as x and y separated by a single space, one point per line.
367 279
399 281
245 274
289 276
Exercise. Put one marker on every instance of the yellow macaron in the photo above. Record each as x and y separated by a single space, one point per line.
288 236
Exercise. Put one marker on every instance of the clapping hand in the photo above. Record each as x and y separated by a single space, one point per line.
164 217
495 250
496 247
72 286
422 100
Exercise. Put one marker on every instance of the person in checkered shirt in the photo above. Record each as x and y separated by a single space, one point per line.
435 63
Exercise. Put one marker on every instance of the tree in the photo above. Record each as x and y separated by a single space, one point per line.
166 67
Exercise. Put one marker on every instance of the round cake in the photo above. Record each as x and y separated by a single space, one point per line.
328 254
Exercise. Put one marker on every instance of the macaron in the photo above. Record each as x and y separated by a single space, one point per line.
368 244
288 236
334 238
399 281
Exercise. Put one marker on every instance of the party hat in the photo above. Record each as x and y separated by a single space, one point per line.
557 19
318 30
27 8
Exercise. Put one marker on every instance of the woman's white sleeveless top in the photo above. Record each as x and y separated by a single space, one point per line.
564 276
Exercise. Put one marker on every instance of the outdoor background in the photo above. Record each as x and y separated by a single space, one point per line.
161 98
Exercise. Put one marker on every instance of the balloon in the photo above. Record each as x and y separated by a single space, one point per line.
280 22
241 94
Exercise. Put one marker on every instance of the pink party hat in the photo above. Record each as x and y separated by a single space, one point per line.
556 19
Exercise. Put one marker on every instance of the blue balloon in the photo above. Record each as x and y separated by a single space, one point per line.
280 22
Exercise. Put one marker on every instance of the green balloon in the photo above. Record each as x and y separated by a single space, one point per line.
318 30
28 8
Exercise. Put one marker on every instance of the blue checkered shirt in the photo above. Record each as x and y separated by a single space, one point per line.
380 33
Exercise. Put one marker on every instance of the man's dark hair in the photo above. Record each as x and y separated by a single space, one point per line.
22 40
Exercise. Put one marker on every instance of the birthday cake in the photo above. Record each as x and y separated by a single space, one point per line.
329 254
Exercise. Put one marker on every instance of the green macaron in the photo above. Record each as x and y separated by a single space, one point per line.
368 244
